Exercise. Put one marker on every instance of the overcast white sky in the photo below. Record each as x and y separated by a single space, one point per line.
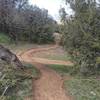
52 6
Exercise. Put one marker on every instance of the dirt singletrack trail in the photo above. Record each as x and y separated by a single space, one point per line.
50 84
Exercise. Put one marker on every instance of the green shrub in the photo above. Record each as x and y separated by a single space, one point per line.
16 84
4 38
82 35
84 89
64 70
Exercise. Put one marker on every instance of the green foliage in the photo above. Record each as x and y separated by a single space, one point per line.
84 89
41 26
77 85
82 35
24 22
16 84
98 60
32 69
63 70
4 38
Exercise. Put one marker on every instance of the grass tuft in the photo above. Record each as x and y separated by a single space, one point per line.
84 89
4 38
80 87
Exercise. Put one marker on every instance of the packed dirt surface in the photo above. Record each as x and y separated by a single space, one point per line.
50 85
52 56
38 55
46 61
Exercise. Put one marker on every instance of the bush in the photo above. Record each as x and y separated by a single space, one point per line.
4 38
82 35
83 89
15 84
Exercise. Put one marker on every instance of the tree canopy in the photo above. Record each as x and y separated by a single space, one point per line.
22 21
82 34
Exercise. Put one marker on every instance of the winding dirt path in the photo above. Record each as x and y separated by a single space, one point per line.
50 85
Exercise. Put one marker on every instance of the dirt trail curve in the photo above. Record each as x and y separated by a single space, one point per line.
50 85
